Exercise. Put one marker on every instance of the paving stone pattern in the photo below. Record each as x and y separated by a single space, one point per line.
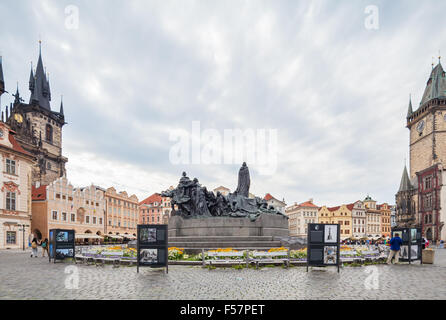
23 277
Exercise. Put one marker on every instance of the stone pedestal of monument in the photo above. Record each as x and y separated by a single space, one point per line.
226 232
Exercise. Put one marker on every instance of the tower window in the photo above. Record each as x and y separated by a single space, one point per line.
49 133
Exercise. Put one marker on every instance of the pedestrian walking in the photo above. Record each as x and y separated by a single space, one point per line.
34 244
45 247
395 247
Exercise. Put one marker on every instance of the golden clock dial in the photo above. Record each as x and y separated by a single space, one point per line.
18 118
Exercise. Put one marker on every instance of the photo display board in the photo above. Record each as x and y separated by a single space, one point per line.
323 245
152 246
61 244
412 246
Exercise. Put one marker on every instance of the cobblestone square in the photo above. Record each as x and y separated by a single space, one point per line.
23 277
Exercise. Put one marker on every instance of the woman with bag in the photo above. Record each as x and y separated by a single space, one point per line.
45 247
34 247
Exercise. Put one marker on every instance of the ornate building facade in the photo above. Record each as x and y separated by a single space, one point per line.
38 128
421 198
15 191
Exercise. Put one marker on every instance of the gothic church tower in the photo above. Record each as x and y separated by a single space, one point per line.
38 128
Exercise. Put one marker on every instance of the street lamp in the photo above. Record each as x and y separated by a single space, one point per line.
23 226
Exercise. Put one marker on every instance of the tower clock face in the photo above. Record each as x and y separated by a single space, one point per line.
420 126
18 118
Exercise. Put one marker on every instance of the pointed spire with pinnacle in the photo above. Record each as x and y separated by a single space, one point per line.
410 109
436 84
2 81
61 106
405 181
17 95
40 93
31 79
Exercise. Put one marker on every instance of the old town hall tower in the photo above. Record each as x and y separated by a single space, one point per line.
421 198
38 128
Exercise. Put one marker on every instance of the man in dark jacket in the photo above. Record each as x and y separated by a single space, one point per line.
395 247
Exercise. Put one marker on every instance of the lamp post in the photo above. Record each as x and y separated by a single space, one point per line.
23 226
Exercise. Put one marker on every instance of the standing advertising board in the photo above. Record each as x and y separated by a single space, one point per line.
61 244
152 246
323 245
411 249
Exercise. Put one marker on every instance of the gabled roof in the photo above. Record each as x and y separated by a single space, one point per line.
436 85
333 208
38 193
156 197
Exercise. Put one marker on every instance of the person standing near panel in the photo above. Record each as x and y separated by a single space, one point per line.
395 247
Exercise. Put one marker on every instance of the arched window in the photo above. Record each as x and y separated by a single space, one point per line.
49 133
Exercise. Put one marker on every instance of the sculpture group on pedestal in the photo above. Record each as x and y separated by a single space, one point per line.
194 201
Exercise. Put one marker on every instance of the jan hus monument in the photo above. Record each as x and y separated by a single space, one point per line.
201 218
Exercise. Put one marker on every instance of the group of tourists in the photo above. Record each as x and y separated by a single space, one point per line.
35 243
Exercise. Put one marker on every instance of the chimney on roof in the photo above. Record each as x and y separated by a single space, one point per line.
311 200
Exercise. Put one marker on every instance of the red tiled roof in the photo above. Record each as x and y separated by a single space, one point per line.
268 197
39 193
334 208
350 206
156 197
308 204
16 146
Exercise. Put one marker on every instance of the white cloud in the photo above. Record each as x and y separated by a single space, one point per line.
136 71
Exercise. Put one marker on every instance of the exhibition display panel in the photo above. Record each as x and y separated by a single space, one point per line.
411 249
323 245
152 246
61 244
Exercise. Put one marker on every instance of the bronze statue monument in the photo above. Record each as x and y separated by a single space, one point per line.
194 201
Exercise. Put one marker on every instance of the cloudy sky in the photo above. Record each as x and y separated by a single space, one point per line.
133 74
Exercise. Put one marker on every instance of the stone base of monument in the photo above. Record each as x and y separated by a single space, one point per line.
195 234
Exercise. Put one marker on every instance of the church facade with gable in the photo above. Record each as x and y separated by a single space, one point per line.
421 198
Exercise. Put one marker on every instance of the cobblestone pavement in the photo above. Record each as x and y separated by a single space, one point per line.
22 277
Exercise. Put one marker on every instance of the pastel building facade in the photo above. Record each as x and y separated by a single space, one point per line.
61 206
15 191
155 209
299 216
359 219
121 213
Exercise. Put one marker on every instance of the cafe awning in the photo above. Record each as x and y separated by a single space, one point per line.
87 236
114 236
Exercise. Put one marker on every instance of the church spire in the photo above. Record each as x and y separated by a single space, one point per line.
61 106
405 181
2 81
436 84
410 109
40 94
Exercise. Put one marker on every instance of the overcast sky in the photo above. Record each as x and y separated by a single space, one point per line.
133 72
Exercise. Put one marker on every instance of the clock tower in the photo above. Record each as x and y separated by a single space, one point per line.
421 199
427 124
